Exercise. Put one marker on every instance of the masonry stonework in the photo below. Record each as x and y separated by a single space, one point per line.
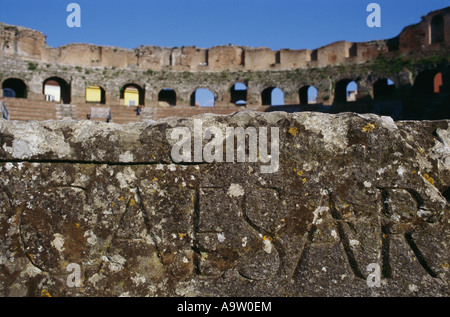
351 191
26 56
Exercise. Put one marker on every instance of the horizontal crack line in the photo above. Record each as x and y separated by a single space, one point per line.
85 162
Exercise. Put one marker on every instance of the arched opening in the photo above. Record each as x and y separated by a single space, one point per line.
272 96
202 97
238 94
352 91
168 96
346 91
95 94
308 95
437 29
382 88
14 88
57 89
132 95
353 50
428 82
437 83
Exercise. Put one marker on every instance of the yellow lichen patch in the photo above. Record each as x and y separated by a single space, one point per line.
421 151
31 256
348 214
181 235
307 194
429 179
304 180
113 204
44 293
369 127
293 131
132 202
155 179
203 257
121 198
445 266
269 238
414 172
77 225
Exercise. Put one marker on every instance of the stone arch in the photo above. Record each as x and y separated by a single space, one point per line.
132 95
346 91
95 94
272 96
437 29
428 82
203 97
383 87
168 95
56 89
308 94
15 87
238 94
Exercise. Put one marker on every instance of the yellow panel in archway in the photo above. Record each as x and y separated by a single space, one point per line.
93 94
131 96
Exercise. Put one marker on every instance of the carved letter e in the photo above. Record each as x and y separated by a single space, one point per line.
74 19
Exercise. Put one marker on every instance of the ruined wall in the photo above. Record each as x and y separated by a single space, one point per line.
403 71
350 191
30 44
26 57
22 42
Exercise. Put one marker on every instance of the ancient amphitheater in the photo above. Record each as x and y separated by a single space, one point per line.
406 76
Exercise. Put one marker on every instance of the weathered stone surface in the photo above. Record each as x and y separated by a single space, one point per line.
350 191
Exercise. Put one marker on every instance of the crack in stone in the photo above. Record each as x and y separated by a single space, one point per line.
22 241
93 162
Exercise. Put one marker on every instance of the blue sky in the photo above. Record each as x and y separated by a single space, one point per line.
295 24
